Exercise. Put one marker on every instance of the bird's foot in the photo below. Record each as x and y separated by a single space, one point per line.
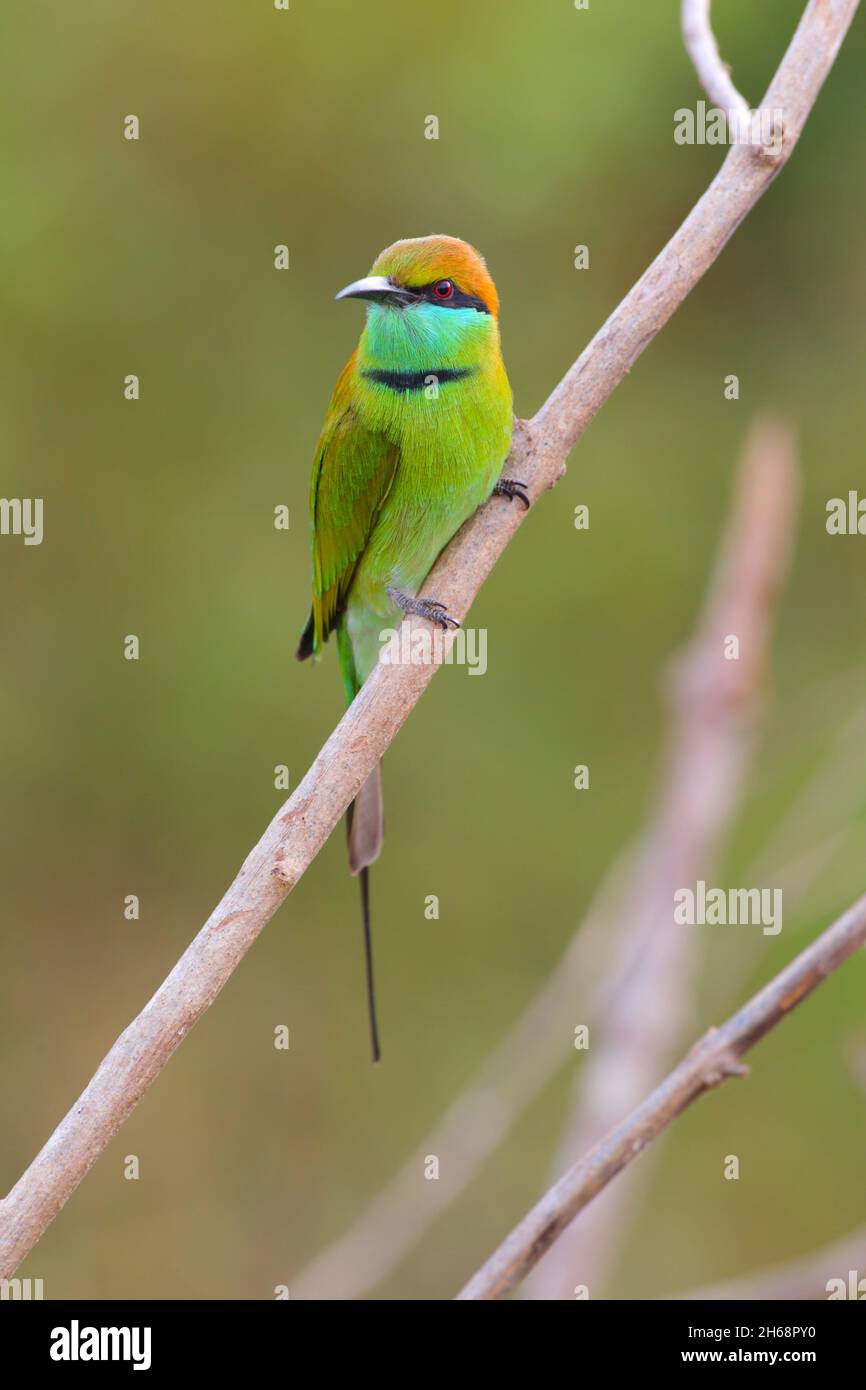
509 487
424 608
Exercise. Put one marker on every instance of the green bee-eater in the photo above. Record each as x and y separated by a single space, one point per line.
416 434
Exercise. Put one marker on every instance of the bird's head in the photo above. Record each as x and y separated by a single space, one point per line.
431 273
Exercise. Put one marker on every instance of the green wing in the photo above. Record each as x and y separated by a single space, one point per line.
353 471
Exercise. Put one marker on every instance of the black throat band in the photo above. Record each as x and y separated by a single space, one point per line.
416 381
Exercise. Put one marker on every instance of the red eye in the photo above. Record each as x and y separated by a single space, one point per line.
443 289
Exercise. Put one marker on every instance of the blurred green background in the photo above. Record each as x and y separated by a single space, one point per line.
156 777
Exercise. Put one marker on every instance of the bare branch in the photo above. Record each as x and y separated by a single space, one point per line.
299 830
713 734
714 1058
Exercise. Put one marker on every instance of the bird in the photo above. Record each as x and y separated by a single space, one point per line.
414 440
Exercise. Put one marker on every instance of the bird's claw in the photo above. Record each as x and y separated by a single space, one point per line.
435 612
510 487
428 608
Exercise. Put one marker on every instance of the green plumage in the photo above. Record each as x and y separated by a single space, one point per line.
414 440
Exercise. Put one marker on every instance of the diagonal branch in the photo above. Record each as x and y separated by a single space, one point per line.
301 827
714 1058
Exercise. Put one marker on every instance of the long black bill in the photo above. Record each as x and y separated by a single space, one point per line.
378 288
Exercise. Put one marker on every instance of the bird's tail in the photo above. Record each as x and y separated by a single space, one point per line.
365 829
307 644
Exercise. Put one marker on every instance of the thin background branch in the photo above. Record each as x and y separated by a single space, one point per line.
531 1054
301 827
714 73
714 704
714 1058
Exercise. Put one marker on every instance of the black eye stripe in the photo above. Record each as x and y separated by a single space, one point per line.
458 300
